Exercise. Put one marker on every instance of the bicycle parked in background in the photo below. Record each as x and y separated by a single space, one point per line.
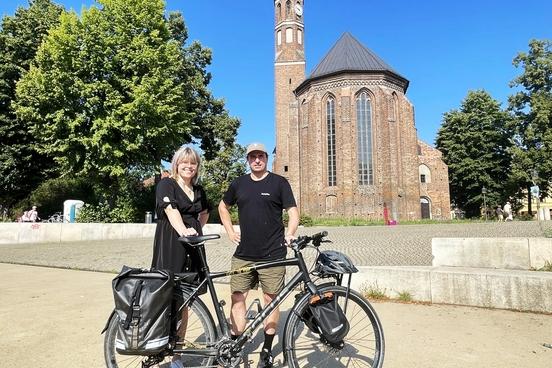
56 217
210 345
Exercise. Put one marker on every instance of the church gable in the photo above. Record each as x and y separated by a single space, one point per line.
347 133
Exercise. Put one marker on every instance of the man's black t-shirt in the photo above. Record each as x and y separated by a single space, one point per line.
260 204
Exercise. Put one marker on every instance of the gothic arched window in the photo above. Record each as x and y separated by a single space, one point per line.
279 11
288 8
330 131
364 139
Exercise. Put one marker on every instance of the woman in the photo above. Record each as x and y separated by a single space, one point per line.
182 210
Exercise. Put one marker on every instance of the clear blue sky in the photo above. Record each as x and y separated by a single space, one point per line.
444 48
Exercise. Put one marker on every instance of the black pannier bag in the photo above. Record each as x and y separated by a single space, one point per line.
143 301
324 316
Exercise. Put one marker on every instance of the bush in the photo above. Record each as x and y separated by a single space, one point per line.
128 202
94 213
525 217
50 195
304 220
214 217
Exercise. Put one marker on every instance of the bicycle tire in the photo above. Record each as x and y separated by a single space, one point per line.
201 331
364 344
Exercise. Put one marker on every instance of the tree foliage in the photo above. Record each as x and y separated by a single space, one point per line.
532 107
475 145
219 173
22 168
50 195
116 91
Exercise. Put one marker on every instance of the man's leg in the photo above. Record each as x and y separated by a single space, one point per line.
271 322
237 312
240 284
272 282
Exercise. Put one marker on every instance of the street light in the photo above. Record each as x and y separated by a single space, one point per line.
484 191
535 190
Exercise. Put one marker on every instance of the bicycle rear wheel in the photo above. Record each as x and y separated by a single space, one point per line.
200 332
363 345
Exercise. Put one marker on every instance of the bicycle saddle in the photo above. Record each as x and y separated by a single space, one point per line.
194 240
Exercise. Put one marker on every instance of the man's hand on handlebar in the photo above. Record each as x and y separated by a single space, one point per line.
289 239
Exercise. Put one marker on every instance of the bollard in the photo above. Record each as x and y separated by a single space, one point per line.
148 217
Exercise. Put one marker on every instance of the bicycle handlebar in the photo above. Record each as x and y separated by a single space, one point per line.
302 241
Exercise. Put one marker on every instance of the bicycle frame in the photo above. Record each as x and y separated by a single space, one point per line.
301 276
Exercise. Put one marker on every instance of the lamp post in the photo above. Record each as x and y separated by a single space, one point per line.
484 191
535 190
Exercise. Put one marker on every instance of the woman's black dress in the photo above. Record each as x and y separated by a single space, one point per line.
168 252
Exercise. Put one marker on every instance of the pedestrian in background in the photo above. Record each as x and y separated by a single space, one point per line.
508 212
499 214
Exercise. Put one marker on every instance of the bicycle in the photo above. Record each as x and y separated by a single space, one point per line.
210 345
55 218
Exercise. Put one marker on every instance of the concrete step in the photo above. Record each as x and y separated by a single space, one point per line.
481 287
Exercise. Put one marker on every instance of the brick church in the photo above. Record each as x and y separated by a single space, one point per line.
345 135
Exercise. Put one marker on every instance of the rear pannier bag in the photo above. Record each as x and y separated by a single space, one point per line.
326 316
143 301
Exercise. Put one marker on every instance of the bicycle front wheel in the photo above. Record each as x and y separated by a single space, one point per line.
200 333
363 345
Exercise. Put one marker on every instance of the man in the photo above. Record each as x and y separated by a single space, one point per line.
261 196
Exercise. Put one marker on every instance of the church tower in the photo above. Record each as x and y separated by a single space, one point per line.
289 72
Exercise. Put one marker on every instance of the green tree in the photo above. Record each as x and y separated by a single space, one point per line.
22 168
532 107
218 173
475 143
116 91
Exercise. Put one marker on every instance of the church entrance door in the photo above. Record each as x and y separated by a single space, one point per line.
425 207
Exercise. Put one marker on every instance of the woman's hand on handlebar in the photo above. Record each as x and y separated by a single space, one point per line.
189 231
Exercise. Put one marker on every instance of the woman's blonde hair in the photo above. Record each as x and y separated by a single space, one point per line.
185 153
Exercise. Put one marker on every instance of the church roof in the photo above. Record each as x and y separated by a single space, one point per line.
349 55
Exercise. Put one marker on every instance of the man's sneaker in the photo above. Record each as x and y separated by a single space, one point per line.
266 360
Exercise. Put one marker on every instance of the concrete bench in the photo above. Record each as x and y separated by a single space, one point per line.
500 253
481 287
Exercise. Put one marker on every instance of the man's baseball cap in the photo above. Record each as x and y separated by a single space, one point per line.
256 147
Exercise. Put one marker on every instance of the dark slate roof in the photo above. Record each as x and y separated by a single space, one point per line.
348 54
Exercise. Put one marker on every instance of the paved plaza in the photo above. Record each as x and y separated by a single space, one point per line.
60 312
401 245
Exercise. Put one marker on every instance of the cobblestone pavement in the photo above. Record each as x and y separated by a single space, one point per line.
406 245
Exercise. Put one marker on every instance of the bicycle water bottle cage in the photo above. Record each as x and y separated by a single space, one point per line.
251 313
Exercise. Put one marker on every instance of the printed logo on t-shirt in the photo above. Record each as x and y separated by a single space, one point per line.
265 194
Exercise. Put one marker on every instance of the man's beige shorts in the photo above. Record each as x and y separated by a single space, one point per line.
271 279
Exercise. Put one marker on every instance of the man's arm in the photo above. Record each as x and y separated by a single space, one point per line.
203 217
224 213
293 223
